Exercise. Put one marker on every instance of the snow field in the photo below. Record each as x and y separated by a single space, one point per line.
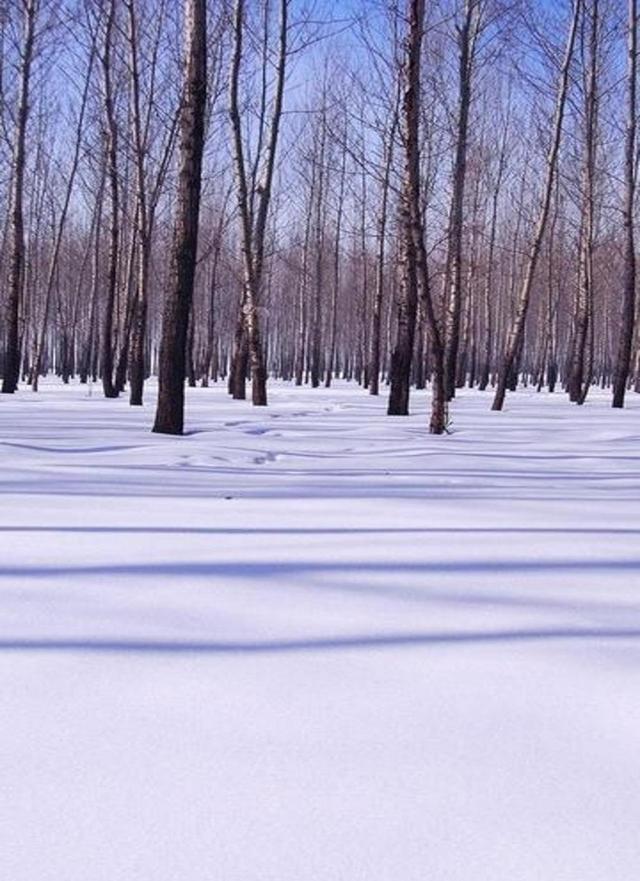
312 643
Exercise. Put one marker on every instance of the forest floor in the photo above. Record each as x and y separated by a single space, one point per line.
313 643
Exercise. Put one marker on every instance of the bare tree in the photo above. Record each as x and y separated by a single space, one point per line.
467 33
416 280
29 11
148 184
254 189
173 347
36 368
111 153
411 212
623 360
515 337
335 290
579 375
383 218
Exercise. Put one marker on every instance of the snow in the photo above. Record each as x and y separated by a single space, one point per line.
312 643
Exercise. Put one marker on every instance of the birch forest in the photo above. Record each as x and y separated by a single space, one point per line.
408 194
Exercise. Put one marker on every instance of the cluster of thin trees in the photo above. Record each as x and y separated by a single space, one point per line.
407 193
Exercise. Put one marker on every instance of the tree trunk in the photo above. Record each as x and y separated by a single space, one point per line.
173 346
111 147
579 378
253 192
17 261
623 360
515 338
466 41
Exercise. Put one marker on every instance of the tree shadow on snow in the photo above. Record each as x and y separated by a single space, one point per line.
310 530
270 570
314 644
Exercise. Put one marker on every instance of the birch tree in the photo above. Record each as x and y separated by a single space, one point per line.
254 185
515 336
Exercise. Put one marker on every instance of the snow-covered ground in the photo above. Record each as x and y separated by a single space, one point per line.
312 643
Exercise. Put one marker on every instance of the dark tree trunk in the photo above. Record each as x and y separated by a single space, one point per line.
17 259
175 322
467 39
623 360
111 129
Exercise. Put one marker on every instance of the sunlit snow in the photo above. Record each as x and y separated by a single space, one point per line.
313 643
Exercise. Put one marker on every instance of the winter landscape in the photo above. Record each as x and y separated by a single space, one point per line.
319 440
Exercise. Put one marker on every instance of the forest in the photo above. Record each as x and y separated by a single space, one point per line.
404 194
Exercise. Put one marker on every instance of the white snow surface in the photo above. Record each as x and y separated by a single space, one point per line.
313 643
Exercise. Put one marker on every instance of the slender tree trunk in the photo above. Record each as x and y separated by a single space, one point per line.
301 318
87 358
578 381
175 322
111 132
466 42
333 327
623 360
139 306
402 355
416 273
376 318
253 192
17 260
319 161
